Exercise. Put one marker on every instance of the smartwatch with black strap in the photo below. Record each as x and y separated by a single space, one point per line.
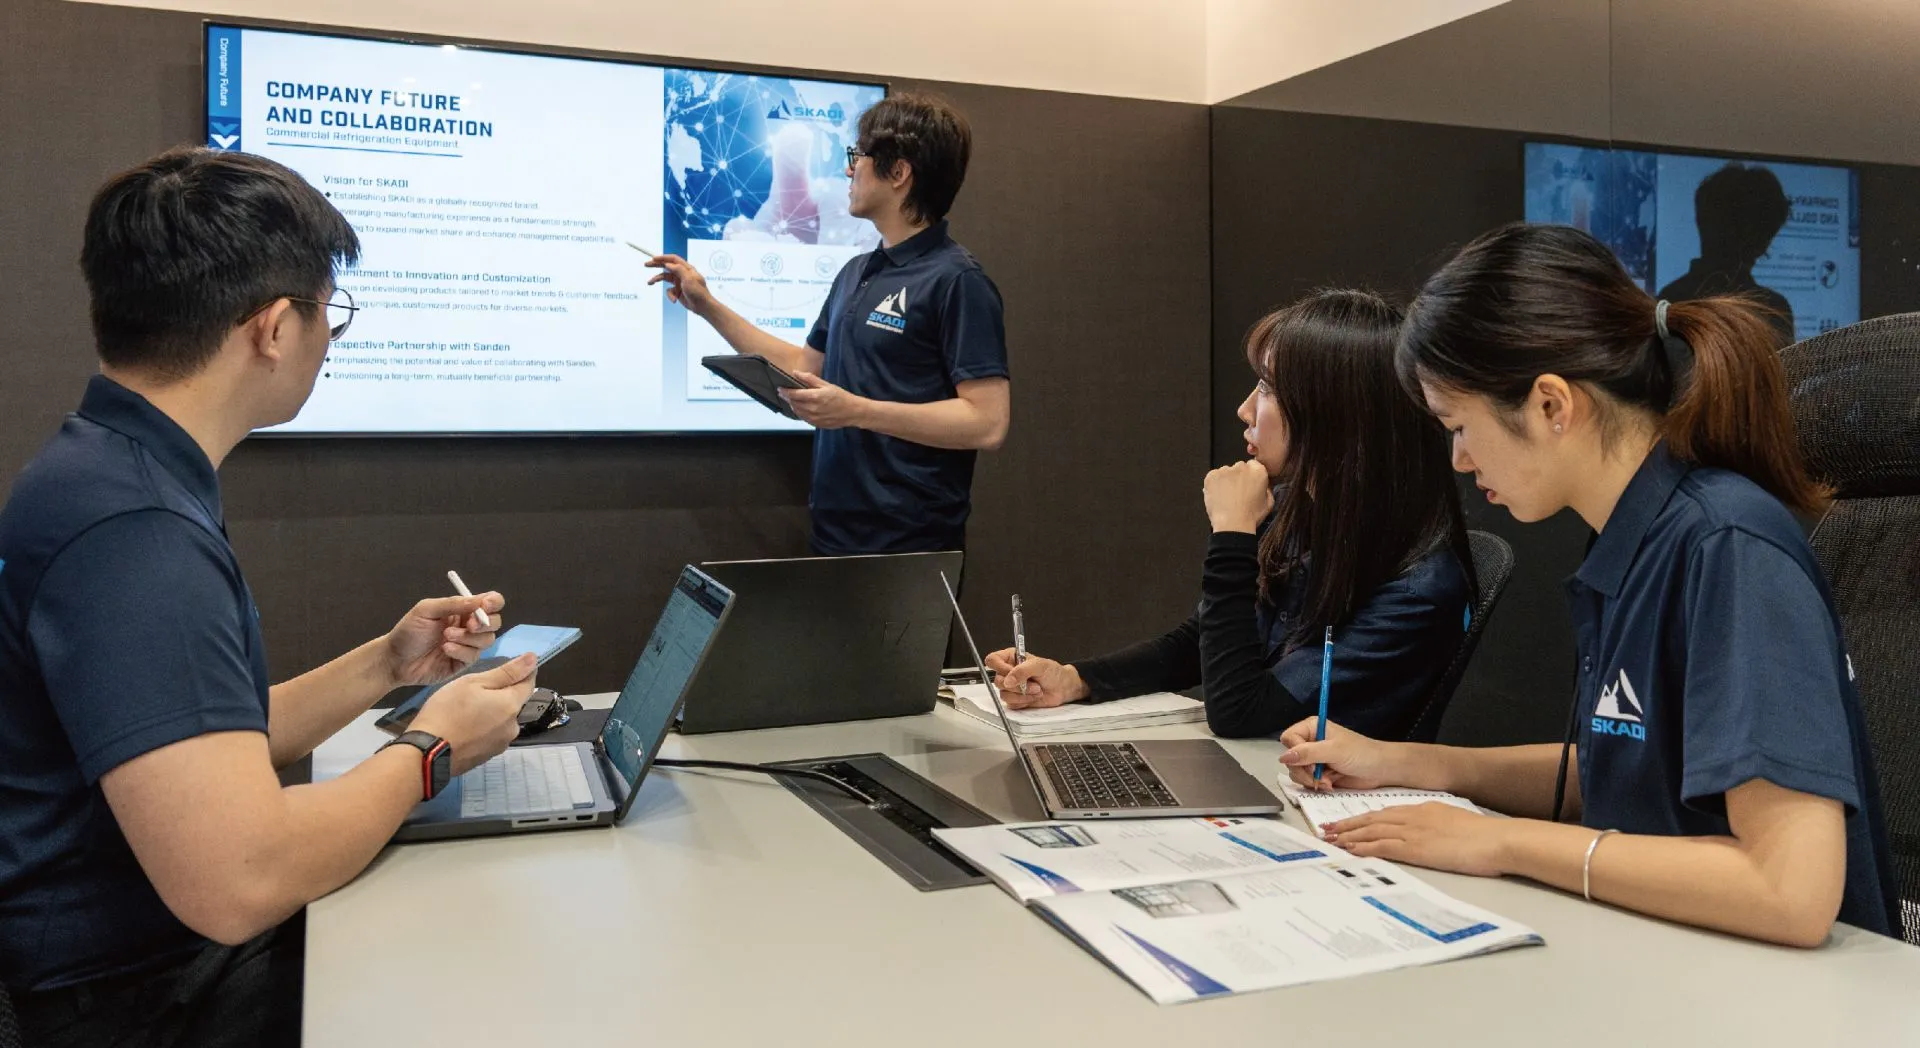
436 761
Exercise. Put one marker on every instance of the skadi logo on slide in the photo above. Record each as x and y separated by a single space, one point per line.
1619 711
802 111
223 134
891 313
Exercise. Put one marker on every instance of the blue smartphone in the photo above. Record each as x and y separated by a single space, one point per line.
544 641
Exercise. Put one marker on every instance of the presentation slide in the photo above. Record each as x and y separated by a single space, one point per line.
1675 218
498 196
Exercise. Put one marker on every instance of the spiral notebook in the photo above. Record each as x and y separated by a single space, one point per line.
1319 807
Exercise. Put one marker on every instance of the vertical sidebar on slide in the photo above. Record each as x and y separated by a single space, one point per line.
493 194
223 87
755 196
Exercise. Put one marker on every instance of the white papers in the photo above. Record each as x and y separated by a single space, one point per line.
1037 859
1192 908
1319 807
1140 711
1326 920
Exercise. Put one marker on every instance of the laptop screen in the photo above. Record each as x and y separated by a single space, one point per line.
638 721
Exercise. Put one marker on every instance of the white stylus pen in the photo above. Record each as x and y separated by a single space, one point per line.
461 588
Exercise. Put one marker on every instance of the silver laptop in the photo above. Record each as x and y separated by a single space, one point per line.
567 786
1128 780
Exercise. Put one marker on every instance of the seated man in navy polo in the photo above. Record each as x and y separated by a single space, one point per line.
907 362
148 853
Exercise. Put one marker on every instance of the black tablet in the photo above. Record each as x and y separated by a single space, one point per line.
757 377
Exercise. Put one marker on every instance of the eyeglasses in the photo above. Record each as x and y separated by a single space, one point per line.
339 314
854 153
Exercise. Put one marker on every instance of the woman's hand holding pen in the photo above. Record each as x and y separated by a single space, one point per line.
1353 761
1036 683
1437 836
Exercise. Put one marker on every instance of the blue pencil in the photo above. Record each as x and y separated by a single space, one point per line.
1326 682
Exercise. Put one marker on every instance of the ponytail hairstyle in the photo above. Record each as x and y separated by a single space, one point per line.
1530 300
1367 488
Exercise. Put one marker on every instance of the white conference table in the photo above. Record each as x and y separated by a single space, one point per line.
727 912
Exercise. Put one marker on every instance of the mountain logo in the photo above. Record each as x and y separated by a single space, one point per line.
891 313
784 110
1620 710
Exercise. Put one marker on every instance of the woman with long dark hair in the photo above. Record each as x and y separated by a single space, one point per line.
1718 763
1362 533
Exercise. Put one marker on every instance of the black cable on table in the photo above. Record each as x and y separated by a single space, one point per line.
770 769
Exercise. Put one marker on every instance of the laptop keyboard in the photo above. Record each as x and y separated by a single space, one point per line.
1090 776
526 781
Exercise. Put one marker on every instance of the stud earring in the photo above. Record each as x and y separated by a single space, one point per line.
1557 427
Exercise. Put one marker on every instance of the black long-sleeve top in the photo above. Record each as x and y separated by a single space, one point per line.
1387 657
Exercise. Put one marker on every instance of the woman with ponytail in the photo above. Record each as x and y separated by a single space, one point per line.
1716 771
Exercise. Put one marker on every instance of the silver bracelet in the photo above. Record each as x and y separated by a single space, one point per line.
1586 868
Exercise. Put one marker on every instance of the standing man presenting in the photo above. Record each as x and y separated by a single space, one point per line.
907 363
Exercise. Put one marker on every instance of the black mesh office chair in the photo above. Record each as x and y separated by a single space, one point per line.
9 1027
1492 567
1856 403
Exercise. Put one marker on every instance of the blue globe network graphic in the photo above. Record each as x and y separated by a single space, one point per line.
717 163
735 141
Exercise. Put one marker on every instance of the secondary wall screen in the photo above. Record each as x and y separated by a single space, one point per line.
1671 217
496 194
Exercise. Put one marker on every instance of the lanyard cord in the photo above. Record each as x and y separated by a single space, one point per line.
1573 719
1566 751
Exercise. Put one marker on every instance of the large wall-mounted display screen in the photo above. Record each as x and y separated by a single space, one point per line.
499 197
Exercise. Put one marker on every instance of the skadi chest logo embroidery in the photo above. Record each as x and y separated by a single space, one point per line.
1619 711
891 313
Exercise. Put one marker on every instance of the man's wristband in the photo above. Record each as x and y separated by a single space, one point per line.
436 761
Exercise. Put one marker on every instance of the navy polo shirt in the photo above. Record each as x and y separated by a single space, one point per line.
125 626
1710 656
1388 654
906 324
1386 658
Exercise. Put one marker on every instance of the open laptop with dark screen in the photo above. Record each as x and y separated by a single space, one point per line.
815 640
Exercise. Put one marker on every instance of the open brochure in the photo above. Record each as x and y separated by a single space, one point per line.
1140 711
1192 908
1320 807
